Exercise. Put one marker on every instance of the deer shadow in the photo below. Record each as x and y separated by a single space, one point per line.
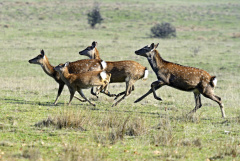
24 102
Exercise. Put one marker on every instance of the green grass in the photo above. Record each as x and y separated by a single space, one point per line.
150 130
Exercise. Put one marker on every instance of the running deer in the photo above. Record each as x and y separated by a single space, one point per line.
180 77
77 82
121 71
74 67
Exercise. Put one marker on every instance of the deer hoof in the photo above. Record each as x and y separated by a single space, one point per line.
54 104
158 98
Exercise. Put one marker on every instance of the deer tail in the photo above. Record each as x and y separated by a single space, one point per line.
103 75
145 74
213 81
104 64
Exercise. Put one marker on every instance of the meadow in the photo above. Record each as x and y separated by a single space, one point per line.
31 128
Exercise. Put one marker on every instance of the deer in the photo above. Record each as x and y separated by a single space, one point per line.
183 78
74 67
77 82
127 71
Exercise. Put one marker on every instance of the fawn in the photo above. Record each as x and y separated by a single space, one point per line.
121 71
180 77
77 82
74 67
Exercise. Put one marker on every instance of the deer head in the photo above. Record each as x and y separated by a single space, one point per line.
38 59
89 51
61 67
147 51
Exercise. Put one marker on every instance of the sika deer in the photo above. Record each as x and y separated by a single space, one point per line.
180 77
74 67
121 71
77 82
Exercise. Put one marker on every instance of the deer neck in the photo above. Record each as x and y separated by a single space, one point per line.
156 61
96 54
66 76
48 68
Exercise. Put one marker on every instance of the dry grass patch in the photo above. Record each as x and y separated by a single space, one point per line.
195 142
230 149
113 127
76 119
164 136
31 153
79 152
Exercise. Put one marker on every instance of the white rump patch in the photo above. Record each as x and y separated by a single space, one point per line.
104 64
145 74
103 75
215 82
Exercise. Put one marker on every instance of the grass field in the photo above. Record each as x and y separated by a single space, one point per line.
208 37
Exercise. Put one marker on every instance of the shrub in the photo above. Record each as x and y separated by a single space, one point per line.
163 30
94 16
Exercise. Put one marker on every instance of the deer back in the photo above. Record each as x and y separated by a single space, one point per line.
85 65
120 70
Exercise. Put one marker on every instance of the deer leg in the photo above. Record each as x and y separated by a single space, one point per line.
72 92
115 104
105 92
93 92
198 104
98 90
131 89
156 84
129 85
216 99
60 89
104 89
119 94
122 93
81 93
108 93
146 94
80 99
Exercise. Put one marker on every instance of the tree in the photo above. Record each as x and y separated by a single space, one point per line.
94 16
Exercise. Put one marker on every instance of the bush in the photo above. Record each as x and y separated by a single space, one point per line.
94 16
163 30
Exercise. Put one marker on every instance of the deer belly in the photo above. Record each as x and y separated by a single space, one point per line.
88 86
184 85
117 77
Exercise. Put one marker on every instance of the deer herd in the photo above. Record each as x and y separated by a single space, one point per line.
97 73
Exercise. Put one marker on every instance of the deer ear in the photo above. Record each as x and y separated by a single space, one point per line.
156 46
94 44
152 46
66 64
42 52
